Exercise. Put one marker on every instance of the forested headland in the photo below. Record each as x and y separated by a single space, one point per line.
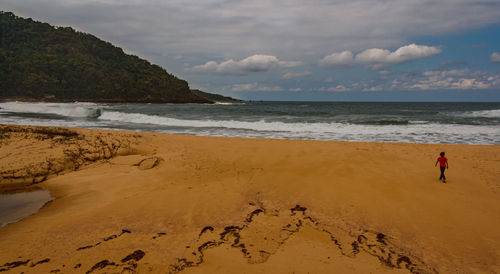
40 62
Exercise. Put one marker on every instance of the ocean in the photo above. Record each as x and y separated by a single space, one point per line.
440 123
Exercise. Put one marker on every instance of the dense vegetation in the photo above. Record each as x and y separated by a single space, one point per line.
41 62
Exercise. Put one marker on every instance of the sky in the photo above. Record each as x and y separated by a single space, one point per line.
315 50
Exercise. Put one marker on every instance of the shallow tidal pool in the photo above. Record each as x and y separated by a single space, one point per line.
17 206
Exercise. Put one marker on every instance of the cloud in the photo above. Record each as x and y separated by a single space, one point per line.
234 28
342 59
453 79
255 87
432 80
447 80
384 74
226 32
374 88
495 57
254 63
338 88
376 58
294 75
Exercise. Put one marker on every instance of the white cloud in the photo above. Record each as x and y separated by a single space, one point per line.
380 58
374 88
495 57
384 74
453 79
244 87
254 63
338 88
295 89
294 75
447 80
433 80
376 58
255 87
342 59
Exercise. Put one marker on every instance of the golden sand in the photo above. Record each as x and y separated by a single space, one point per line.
131 202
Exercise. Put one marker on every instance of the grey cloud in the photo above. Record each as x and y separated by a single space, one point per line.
232 29
220 30
294 75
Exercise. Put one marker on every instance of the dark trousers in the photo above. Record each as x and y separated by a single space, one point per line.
442 173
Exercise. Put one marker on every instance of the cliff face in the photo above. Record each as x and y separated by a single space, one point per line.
39 62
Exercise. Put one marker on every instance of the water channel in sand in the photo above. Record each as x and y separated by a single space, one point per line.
17 206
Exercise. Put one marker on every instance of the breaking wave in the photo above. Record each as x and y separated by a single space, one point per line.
80 110
419 132
494 113
280 120
260 125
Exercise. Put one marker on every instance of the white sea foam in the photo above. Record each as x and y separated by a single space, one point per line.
417 122
494 113
228 103
63 109
260 125
425 133
419 131
48 122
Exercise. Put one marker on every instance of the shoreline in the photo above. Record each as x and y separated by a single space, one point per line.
188 203
408 123
245 138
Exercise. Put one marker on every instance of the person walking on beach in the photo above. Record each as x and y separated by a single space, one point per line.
443 164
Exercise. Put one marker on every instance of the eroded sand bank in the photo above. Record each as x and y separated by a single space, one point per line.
144 202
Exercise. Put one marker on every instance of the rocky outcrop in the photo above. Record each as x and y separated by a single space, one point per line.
54 151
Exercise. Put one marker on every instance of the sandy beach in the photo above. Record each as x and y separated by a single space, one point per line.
130 202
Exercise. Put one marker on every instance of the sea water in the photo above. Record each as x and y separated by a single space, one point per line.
450 123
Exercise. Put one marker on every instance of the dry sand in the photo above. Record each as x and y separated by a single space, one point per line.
142 202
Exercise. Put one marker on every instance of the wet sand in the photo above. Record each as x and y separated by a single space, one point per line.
143 202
